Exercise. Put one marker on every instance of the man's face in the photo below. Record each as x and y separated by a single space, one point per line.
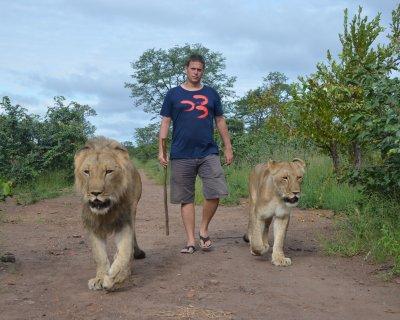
194 71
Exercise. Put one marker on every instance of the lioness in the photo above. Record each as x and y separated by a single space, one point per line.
274 188
111 188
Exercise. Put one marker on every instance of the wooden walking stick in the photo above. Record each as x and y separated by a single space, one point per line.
164 150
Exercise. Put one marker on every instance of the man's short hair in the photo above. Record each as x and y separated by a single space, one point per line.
195 57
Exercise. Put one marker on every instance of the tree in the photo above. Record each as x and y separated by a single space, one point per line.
264 103
19 154
378 122
329 100
147 142
317 115
29 145
66 129
158 70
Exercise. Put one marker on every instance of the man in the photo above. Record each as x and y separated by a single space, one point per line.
193 107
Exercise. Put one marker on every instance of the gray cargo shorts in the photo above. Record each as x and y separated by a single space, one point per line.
183 178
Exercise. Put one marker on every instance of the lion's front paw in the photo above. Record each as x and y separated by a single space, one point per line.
95 283
259 250
281 260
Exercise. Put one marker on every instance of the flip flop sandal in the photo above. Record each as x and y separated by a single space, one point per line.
203 240
188 250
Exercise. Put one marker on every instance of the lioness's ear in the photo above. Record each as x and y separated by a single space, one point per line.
300 162
271 165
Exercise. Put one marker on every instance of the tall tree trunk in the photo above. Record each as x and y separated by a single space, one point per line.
335 156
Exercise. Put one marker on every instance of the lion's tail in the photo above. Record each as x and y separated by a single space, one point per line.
245 238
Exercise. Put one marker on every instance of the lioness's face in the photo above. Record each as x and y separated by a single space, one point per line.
287 177
101 177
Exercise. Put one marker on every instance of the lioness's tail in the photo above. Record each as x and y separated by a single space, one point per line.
245 238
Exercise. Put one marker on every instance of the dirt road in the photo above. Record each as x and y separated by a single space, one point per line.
53 264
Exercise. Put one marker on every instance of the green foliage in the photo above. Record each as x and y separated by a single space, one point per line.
350 107
381 130
30 146
19 154
147 142
158 70
372 228
263 144
65 130
322 190
6 189
237 179
265 103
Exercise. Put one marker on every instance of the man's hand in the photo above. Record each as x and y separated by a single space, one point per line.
228 156
223 131
162 159
162 147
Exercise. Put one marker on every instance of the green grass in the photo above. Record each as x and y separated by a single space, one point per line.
372 229
237 178
153 169
321 189
48 185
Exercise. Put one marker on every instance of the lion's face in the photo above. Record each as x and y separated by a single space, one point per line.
99 176
287 178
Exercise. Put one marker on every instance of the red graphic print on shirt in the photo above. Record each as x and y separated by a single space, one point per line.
202 106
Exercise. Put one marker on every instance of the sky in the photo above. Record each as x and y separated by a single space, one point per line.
83 49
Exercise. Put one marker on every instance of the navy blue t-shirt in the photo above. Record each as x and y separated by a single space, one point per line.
192 114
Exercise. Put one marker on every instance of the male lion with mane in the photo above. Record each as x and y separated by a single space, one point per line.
274 189
111 188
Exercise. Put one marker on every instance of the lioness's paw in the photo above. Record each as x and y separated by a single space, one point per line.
281 260
108 283
112 283
95 284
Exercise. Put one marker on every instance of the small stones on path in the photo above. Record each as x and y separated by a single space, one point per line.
191 294
7 257
246 290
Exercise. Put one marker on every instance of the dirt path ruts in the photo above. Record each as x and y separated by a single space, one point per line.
49 279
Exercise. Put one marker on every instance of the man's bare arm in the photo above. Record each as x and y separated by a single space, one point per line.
223 131
164 128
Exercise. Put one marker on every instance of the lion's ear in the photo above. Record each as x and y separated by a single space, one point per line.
121 148
299 162
123 151
78 154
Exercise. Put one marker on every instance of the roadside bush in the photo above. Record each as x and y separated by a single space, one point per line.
30 146
371 229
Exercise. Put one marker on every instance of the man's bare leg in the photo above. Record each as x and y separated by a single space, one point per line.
209 208
187 212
